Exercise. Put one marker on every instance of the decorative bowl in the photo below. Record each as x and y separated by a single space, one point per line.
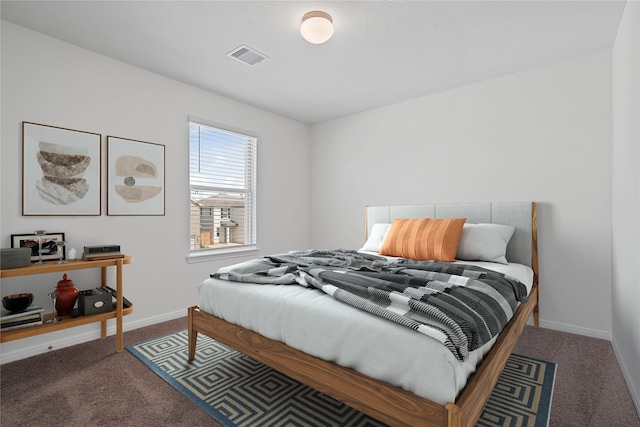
17 302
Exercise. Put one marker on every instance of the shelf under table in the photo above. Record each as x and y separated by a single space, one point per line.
66 322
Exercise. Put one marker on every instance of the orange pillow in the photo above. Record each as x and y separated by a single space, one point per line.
424 239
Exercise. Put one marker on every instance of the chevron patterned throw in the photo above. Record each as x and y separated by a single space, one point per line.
238 391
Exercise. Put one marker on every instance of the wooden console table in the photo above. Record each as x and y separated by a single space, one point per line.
67 321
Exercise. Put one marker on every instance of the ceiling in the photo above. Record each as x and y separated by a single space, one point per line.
382 52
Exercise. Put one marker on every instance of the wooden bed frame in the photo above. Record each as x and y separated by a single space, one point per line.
376 398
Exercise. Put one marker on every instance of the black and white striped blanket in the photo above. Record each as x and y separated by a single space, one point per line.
462 306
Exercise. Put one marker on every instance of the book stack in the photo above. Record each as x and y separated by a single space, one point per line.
31 316
95 253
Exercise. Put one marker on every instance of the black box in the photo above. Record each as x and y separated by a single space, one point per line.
94 301
91 250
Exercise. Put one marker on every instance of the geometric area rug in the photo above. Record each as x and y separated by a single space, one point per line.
238 391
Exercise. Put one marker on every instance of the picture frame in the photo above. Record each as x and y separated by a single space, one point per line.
61 171
49 249
135 177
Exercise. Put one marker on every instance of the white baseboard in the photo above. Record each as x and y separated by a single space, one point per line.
153 320
68 341
563 327
39 348
635 397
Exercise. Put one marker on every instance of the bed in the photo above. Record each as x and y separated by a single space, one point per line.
394 404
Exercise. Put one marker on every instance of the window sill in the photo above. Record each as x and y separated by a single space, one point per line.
209 255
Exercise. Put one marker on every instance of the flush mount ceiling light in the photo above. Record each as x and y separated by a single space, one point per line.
316 27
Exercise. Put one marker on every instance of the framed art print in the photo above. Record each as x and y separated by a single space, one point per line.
135 177
61 171
49 247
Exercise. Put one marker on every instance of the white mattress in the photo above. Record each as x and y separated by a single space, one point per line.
313 322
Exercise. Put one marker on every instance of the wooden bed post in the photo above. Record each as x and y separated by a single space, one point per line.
193 335
534 263
455 415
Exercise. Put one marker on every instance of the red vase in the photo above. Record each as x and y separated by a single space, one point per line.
67 295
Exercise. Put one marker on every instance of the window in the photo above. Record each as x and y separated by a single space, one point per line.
222 181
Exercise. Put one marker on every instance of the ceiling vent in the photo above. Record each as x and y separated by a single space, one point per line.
247 55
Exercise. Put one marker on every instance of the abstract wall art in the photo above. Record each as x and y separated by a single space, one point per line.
135 177
61 171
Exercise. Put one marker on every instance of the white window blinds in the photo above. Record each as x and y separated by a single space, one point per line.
223 188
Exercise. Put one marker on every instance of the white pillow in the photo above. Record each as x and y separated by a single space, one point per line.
484 242
376 237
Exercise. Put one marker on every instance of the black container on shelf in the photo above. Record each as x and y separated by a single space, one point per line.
94 301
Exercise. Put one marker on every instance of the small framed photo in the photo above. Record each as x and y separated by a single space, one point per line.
61 171
135 177
49 247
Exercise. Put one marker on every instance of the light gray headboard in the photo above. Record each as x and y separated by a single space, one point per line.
523 247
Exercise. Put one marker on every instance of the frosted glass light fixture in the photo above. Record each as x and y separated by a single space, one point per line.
316 27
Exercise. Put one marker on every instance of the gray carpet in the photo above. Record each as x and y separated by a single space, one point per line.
91 385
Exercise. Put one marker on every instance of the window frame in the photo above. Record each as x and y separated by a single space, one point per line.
205 254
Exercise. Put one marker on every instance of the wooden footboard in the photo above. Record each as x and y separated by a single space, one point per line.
378 399
375 398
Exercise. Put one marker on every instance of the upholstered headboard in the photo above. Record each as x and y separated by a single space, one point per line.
523 246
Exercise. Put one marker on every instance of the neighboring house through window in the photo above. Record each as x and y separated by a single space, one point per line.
222 182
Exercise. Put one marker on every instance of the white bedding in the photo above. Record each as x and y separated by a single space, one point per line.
352 338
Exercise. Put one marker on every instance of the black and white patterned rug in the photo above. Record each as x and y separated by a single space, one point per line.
238 391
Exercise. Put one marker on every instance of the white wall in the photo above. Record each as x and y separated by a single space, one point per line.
50 82
626 198
542 135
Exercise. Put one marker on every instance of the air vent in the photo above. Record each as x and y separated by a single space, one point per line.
247 55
